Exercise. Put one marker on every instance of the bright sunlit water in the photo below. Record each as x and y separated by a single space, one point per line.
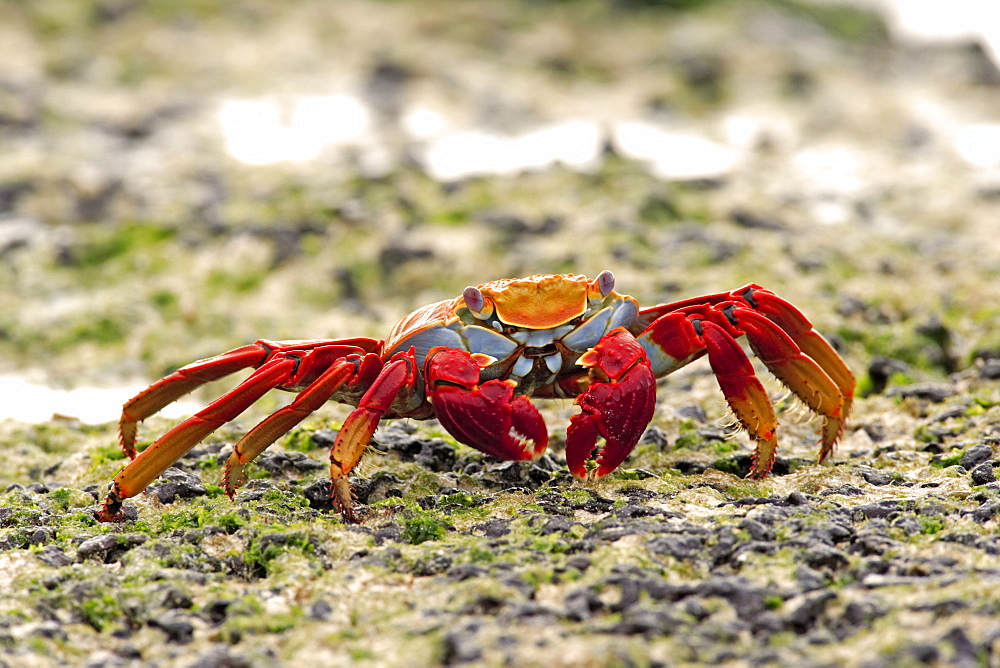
262 132
672 155
939 21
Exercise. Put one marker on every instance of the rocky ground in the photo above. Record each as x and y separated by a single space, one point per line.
846 176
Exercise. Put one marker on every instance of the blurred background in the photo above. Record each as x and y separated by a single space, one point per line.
178 178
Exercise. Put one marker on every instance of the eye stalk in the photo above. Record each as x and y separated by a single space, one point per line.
605 282
478 305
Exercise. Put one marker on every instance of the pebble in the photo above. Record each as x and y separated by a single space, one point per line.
934 392
109 547
174 483
874 477
976 455
990 369
983 474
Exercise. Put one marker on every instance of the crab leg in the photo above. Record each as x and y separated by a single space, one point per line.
824 384
682 337
291 365
617 405
801 331
743 391
781 312
167 390
360 425
170 447
283 420
801 374
172 387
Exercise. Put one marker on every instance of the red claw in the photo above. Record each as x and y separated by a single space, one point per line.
487 417
618 405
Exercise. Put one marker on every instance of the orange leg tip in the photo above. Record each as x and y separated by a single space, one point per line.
833 429
352 439
343 500
232 480
763 458
126 437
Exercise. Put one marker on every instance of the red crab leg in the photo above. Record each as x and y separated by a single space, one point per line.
172 387
170 447
360 425
487 416
280 422
783 314
617 405
801 331
743 391
290 365
684 337
167 390
780 336
801 374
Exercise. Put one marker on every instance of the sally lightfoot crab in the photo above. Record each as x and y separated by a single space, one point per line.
475 361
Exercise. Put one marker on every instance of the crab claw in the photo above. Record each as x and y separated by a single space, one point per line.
487 417
617 405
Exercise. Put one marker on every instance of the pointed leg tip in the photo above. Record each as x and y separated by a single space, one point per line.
352 516
763 458
833 429
126 436
343 501
232 478
111 510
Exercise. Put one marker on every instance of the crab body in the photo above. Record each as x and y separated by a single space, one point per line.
474 362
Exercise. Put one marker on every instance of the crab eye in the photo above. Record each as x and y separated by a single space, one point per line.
478 306
605 282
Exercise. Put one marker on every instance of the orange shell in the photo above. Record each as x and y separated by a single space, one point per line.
538 302
438 313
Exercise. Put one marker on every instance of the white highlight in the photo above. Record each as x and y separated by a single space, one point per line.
27 402
952 21
575 144
261 132
980 144
523 441
424 123
255 132
673 155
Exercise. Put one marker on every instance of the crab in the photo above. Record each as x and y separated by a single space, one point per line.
475 361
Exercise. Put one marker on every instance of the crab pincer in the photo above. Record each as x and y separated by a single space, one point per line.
485 416
617 405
